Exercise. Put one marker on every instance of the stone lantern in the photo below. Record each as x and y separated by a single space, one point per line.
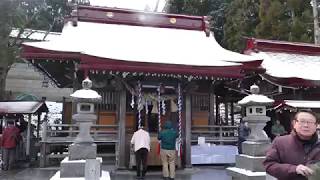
255 105
249 164
82 161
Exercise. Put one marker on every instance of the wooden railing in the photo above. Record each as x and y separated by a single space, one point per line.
56 138
67 132
215 134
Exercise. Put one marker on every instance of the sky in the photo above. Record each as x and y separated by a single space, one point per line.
130 4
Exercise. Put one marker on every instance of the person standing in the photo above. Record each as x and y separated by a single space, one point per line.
141 146
277 129
290 156
10 139
167 150
244 132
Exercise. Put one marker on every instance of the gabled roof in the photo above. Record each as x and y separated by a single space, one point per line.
110 39
287 63
22 107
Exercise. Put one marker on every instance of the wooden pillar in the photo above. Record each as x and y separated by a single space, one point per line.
226 113
212 101
217 111
28 137
121 118
38 125
188 131
232 113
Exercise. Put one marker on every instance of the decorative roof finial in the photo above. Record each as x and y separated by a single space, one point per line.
254 89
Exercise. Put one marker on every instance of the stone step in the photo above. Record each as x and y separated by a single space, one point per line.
251 163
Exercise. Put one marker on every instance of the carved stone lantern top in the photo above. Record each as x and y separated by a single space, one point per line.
86 94
255 99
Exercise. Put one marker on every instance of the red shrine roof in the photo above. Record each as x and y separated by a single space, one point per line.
109 39
287 63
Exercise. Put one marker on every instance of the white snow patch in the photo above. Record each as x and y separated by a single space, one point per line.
257 98
247 172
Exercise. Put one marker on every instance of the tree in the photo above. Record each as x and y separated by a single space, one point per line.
289 20
241 20
212 8
21 14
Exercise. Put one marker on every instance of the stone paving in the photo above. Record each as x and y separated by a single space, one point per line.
196 173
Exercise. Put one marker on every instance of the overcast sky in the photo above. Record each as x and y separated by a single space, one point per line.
130 4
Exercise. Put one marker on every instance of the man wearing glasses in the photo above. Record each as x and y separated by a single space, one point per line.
290 156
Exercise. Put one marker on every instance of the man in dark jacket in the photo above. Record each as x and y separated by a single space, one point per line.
290 156
167 152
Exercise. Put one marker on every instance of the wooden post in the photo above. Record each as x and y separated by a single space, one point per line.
212 101
38 125
232 113
226 113
44 131
188 131
121 117
43 155
217 112
28 137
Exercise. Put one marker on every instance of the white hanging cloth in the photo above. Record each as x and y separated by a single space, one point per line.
173 105
154 107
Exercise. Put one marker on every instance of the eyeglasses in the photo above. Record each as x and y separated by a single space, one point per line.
303 122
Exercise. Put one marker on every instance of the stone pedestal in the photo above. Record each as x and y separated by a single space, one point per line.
76 168
249 164
82 151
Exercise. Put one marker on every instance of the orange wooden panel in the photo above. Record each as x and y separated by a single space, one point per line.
200 118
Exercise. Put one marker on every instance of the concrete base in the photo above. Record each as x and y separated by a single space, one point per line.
82 151
250 163
255 148
104 176
74 168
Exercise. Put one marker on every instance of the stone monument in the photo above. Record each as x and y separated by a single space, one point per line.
249 164
82 161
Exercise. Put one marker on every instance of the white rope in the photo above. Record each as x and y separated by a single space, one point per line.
159 108
139 103
180 118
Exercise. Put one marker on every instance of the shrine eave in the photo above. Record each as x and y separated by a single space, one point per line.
257 45
292 82
103 65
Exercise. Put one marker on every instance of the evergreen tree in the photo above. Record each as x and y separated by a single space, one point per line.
241 20
21 14
213 8
288 20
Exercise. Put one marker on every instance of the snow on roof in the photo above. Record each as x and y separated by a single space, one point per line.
285 65
143 44
37 35
20 107
86 94
255 99
302 104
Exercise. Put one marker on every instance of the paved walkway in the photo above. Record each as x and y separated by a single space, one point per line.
196 173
